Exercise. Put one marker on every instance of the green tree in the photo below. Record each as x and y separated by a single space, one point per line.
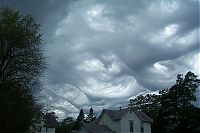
172 110
21 66
66 126
90 117
17 109
21 54
79 120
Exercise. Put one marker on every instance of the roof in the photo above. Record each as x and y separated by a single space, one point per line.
117 114
143 116
97 128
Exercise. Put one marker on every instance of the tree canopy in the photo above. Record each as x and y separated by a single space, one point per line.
90 117
173 110
21 53
66 126
69 124
21 66
79 120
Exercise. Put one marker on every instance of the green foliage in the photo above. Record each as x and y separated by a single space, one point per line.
21 54
66 126
79 120
69 124
90 117
21 65
17 109
172 110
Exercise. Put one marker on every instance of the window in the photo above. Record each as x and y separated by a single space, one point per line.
141 127
131 126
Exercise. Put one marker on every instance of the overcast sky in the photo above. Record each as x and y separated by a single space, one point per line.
101 53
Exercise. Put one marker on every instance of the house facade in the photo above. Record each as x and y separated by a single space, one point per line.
127 120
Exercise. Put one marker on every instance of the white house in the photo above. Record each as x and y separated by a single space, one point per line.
127 120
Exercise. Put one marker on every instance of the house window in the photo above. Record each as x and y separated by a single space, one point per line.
141 127
131 126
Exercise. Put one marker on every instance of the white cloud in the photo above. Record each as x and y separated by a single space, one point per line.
92 65
189 39
165 34
160 68
118 88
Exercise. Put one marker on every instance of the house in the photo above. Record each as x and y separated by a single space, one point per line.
50 123
46 124
95 128
127 120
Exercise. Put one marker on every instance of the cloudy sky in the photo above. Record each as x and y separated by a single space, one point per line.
101 53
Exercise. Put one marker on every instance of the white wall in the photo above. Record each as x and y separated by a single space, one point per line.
125 128
114 125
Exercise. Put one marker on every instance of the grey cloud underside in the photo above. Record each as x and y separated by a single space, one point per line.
46 12
101 53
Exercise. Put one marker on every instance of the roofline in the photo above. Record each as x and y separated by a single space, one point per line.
135 111
103 111
141 118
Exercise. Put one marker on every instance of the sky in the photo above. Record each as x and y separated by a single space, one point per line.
101 53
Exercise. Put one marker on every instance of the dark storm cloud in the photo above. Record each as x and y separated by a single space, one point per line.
104 52
46 12
40 10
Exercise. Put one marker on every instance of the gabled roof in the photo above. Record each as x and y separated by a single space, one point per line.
118 114
143 116
97 128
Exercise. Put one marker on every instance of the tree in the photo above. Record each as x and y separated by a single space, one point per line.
79 120
90 117
21 54
21 66
17 109
172 110
66 126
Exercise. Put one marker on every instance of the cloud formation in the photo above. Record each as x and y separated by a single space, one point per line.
101 53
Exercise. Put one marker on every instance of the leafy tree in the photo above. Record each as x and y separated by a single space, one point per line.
79 120
21 66
21 54
66 126
172 110
90 117
17 109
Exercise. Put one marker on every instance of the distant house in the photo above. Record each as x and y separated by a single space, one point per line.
50 123
127 120
47 124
